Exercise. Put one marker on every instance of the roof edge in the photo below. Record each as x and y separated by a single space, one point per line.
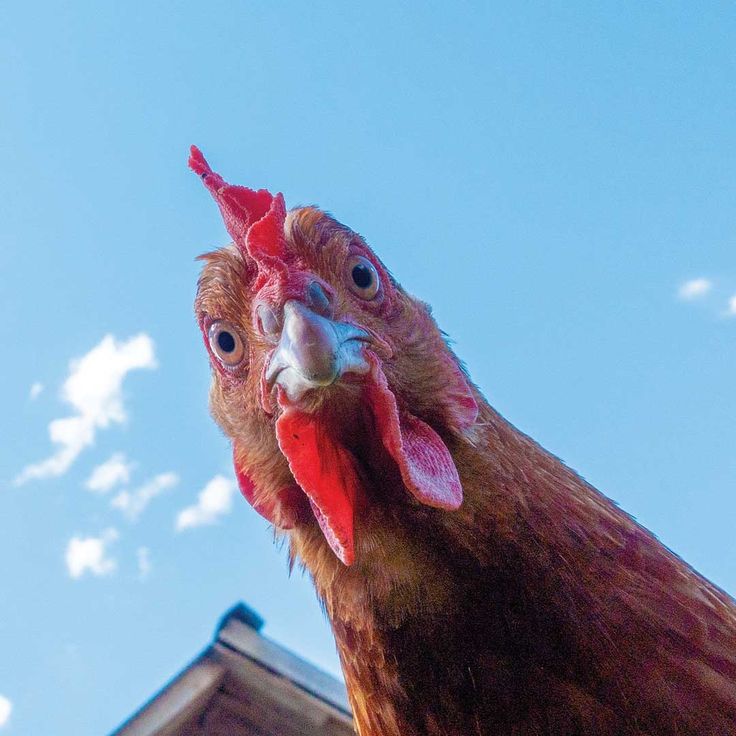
243 613
171 707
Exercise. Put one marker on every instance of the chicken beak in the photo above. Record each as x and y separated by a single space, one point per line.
314 351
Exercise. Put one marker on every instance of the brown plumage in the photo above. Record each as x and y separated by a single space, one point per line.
536 607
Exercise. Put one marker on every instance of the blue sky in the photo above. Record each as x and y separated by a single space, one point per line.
548 175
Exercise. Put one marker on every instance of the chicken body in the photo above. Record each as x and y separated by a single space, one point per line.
475 585
536 608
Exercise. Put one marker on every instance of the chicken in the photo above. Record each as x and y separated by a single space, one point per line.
474 583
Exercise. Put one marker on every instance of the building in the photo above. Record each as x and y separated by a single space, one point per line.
243 684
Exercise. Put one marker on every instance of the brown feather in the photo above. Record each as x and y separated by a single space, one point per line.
538 607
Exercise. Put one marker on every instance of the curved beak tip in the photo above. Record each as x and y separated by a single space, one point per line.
313 351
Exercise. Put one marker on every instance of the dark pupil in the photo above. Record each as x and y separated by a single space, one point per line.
226 342
362 276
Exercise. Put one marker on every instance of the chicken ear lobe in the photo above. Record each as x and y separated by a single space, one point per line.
425 463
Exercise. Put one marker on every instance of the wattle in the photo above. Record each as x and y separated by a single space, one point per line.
327 472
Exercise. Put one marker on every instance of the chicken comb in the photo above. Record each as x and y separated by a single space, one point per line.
254 218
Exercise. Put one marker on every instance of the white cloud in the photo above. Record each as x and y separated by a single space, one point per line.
35 391
94 389
213 501
89 554
694 289
113 472
6 708
731 309
134 503
143 554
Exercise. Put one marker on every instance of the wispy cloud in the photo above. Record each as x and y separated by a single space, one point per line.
143 555
214 500
36 390
134 503
731 308
114 471
90 554
94 389
6 708
694 289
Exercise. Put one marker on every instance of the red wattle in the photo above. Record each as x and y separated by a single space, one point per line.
282 513
326 472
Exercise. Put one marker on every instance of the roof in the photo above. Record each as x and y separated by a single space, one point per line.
244 683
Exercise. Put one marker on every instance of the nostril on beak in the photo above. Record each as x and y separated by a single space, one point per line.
268 322
318 299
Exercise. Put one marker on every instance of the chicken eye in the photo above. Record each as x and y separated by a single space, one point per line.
362 277
226 344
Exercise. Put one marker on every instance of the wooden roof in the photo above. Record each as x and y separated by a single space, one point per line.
245 684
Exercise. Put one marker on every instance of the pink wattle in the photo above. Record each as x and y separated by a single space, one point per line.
425 463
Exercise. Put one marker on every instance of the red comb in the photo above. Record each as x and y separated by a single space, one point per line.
254 218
